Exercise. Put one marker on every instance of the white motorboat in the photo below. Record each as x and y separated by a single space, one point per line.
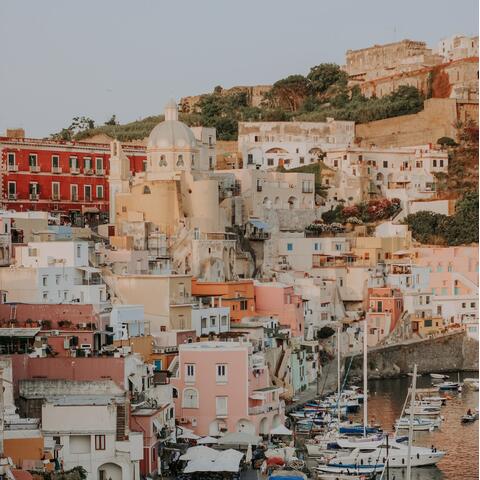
397 454
361 442
351 470
424 410
419 424
449 386
435 400
439 376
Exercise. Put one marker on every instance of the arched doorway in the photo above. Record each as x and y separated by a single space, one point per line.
263 426
246 426
267 203
109 471
276 421
292 203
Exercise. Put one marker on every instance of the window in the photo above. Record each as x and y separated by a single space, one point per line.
243 304
12 189
270 162
385 164
203 323
55 161
250 159
99 191
190 398
290 247
379 306
335 163
98 163
224 321
450 268
55 190
302 160
315 246
472 305
11 159
79 444
221 370
44 280
189 372
73 161
79 251
88 193
338 247
464 305
99 442
57 280
180 161
74 192
34 189
32 159
221 406
428 323
210 163
441 163
87 165
213 321
439 268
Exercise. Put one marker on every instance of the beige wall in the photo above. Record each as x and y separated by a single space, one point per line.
435 121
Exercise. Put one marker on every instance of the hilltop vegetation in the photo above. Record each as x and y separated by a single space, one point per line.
322 93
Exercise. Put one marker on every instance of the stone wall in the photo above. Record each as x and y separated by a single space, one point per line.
451 352
434 121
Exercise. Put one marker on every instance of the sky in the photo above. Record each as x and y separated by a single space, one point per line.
65 58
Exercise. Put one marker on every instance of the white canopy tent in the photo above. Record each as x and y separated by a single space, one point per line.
280 430
200 452
239 438
207 441
219 461
188 434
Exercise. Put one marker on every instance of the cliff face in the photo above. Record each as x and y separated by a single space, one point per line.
451 352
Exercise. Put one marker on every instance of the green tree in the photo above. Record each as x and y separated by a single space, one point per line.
325 75
446 142
289 92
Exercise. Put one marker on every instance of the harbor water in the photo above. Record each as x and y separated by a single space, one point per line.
460 441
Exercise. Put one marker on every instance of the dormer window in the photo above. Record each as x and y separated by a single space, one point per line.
180 161
163 161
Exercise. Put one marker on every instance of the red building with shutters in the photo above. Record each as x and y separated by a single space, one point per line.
59 176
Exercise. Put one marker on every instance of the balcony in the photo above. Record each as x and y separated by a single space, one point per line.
74 198
100 171
74 170
269 407
56 169
88 171
182 301
35 168
12 168
34 196
12 196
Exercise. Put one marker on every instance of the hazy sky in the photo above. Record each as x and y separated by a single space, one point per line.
62 58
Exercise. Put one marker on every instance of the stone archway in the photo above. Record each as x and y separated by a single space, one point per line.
246 426
263 426
110 471
276 421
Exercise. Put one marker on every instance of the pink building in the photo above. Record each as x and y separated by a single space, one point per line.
223 387
453 283
281 301
385 307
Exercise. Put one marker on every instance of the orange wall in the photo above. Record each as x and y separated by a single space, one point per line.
20 449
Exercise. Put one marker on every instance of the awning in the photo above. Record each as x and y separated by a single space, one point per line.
19 332
281 430
89 269
207 441
259 224
239 438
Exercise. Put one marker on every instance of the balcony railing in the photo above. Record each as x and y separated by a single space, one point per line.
12 196
88 171
34 196
270 407
34 168
12 168
74 198
100 171
183 301
55 197
56 169
74 170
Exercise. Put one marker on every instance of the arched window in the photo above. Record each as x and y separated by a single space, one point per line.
190 398
180 161
193 159
146 190
163 161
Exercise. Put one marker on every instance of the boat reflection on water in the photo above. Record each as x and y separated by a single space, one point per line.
460 441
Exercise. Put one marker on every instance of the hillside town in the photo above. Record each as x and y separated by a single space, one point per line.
180 292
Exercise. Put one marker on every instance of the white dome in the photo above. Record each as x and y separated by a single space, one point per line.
171 133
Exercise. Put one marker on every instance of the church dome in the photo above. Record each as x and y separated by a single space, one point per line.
171 132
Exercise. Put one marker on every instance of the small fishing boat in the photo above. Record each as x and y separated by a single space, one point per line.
435 400
439 376
424 410
470 417
449 386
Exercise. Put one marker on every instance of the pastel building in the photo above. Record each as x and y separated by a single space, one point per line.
225 387
385 310
53 272
238 295
453 282
280 300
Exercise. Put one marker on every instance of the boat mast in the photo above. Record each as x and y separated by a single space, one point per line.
365 375
410 428
338 374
